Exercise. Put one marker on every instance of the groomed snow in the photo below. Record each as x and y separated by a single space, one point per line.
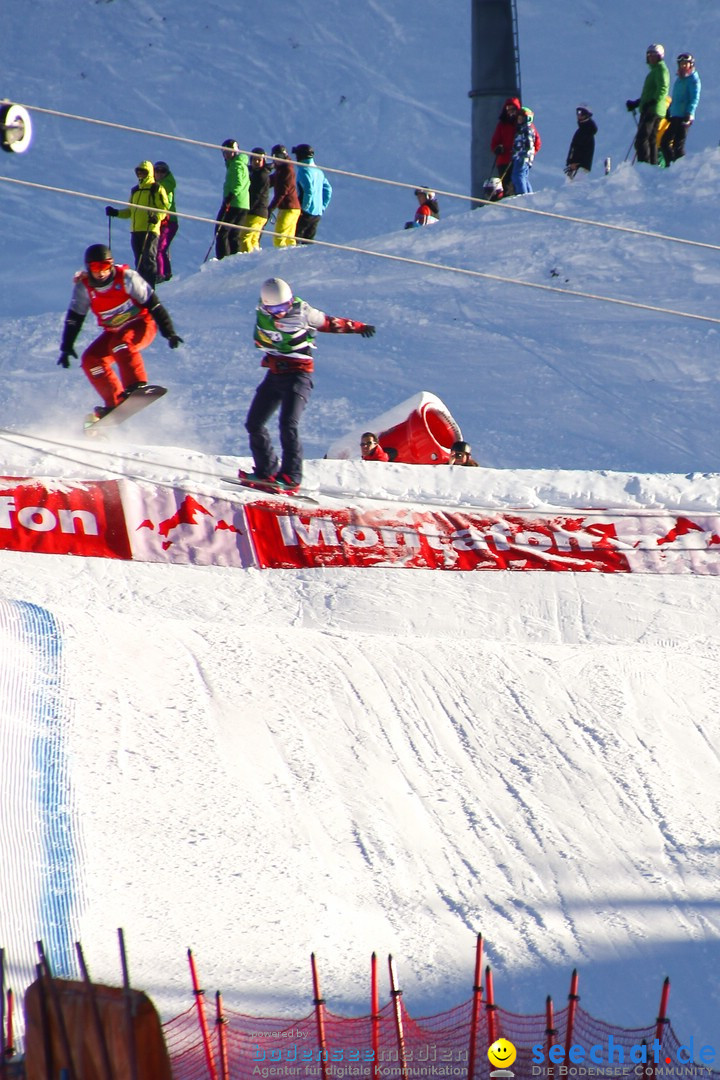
260 765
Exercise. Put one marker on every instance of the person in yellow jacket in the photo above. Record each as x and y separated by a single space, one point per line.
149 205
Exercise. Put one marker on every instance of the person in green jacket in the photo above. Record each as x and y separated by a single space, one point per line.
236 201
652 104
148 209
169 226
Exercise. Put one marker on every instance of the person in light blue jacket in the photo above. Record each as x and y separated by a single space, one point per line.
685 98
314 191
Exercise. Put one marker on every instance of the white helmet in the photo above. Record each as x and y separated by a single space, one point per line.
276 294
658 50
493 188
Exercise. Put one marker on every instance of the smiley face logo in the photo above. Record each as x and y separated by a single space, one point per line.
502 1054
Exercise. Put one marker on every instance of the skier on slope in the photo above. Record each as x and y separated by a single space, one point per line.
284 328
129 313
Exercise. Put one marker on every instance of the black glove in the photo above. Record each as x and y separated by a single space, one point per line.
631 106
111 211
687 121
173 341
409 225
65 355
366 330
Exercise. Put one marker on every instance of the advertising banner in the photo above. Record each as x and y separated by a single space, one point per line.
149 522
577 541
56 518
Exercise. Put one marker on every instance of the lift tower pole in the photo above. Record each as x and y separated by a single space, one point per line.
495 74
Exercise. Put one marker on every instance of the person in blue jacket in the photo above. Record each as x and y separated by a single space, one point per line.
685 98
314 191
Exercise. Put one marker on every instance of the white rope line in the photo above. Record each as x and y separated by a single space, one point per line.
425 263
505 204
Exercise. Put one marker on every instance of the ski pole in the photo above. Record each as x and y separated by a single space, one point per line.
212 242
632 142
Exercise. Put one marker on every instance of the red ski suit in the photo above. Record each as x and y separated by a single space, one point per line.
127 328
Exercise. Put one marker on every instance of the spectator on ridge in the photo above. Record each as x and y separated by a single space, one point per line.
314 191
236 200
685 98
651 104
149 207
285 198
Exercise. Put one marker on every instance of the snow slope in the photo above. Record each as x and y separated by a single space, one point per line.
260 765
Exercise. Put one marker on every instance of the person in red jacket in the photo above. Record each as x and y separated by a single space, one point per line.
502 140
129 315
428 211
370 448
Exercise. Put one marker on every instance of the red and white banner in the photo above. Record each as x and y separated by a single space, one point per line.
610 542
61 519
118 519
170 525
150 523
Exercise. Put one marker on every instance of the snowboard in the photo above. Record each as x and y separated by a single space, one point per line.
268 488
133 403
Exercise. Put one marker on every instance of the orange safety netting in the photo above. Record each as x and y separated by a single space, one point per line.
394 1046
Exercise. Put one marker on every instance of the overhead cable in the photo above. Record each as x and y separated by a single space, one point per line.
425 263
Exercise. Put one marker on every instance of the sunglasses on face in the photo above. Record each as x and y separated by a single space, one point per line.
278 309
367 445
98 268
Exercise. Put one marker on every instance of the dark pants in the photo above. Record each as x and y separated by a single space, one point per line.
672 143
227 241
646 146
145 246
307 226
291 393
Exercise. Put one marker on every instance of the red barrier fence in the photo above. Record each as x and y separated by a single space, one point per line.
389 1044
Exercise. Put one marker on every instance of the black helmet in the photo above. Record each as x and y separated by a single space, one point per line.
258 151
231 144
98 253
686 58
160 166
279 151
303 151
460 448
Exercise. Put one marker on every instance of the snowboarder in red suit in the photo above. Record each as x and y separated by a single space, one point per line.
130 315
